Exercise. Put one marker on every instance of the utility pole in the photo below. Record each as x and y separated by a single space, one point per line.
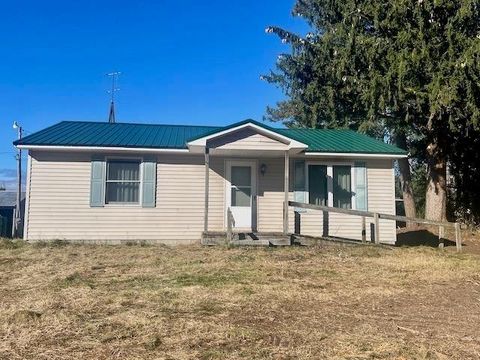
114 76
18 210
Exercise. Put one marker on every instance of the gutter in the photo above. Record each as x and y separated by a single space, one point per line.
100 149
357 155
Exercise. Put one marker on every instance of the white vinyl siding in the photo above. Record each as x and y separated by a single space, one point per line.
60 207
59 201
246 139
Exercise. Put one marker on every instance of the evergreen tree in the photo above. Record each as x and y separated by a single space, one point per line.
402 68
463 178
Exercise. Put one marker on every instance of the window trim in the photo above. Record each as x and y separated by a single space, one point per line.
105 180
330 166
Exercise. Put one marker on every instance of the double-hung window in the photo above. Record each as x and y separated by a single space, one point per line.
342 187
123 182
317 185
330 185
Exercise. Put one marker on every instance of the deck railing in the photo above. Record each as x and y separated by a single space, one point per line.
376 222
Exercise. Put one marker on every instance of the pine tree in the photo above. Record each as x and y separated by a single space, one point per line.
402 68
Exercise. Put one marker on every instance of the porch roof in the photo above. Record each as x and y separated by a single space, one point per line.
159 136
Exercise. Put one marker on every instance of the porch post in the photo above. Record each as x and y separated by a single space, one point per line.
285 188
207 183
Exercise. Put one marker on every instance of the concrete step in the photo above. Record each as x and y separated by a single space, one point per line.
247 239
249 242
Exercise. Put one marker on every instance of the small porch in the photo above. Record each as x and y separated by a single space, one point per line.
252 165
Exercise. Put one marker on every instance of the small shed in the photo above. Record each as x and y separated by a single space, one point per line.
8 201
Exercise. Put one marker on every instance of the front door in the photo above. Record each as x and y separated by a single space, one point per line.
241 193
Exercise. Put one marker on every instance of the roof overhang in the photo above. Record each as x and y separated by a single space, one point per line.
356 155
106 149
99 149
293 146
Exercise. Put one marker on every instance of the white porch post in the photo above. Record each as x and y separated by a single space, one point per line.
285 188
207 181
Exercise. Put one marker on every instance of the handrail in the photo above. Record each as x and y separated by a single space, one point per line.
378 216
370 214
331 209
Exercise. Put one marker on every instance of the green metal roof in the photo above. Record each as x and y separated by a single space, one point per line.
82 133
131 135
340 141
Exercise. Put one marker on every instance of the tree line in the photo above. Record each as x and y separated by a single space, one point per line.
405 71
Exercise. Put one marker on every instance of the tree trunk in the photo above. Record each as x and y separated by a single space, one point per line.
436 196
406 181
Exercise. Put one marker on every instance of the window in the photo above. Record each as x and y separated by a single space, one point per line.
330 185
241 186
317 181
342 187
123 182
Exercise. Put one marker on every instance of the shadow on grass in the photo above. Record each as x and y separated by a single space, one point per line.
420 237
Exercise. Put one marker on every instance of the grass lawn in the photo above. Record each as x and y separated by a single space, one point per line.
134 302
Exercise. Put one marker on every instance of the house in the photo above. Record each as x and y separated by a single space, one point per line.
103 182
8 203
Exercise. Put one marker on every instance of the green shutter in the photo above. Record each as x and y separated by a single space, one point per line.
97 182
360 186
149 182
299 183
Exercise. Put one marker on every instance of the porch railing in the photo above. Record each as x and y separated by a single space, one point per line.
376 222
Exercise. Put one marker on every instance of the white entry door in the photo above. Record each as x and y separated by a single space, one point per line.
241 193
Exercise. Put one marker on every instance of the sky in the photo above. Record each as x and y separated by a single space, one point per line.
182 62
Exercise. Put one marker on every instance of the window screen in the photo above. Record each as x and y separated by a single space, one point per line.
123 181
342 187
317 184
241 186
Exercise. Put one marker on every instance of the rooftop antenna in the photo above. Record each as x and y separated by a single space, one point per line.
114 76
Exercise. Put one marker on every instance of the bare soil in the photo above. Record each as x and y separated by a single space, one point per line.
428 236
150 302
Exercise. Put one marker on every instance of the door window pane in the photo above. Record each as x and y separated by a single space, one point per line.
241 196
241 176
342 187
317 185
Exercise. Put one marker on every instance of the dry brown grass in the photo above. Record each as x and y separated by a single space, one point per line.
134 302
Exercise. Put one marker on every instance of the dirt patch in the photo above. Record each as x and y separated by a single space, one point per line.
471 241
133 302
428 236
